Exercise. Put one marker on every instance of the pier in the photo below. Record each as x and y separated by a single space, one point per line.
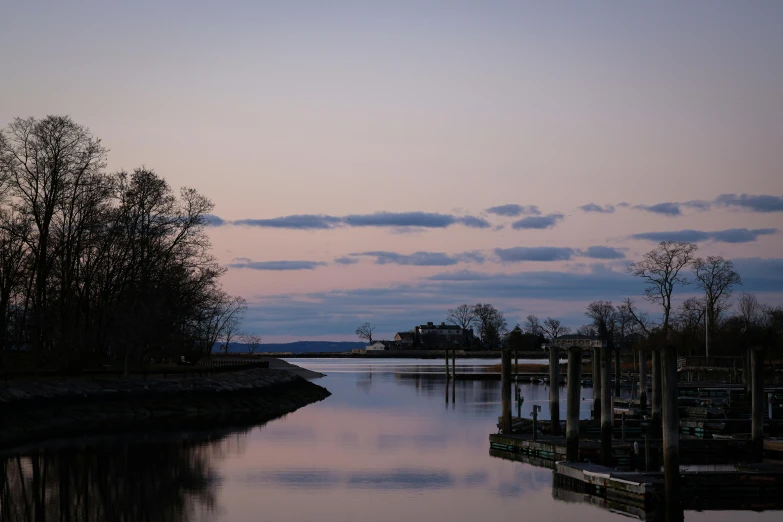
697 439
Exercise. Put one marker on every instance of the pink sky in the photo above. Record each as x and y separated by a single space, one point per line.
452 108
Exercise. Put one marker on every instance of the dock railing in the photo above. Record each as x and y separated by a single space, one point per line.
708 362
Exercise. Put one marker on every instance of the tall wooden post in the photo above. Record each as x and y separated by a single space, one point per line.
671 424
505 390
572 403
597 384
757 398
516 361
454 363
655 423
554 388
642 379
746 377
617 371
607 406
446 355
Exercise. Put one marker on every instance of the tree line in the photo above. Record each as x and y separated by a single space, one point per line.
99 267
690 325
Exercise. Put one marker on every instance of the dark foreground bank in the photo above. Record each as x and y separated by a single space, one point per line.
34 411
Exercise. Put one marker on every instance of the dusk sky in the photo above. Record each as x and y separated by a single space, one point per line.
386 161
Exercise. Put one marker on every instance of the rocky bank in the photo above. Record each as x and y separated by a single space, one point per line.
32 411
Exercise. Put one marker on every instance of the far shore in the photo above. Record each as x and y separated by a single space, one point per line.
387 354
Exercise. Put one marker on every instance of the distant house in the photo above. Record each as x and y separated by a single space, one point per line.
443 333
404 340
566 341
379 346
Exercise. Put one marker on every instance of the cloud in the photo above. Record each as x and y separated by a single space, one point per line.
698 204
742 235
510 255
751 202
212 220
397 220
667 209
733 235
277 265
296 222
602 252
396 307
537 222
421 258
346 260
760 275
401 219
514 210
461 275
592 207
473 222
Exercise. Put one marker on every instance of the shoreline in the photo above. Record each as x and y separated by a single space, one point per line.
34 411
385 354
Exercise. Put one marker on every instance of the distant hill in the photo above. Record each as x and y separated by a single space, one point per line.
295 347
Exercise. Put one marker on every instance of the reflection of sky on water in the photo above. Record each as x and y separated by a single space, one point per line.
387 446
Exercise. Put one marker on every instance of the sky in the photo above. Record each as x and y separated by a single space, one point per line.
387 161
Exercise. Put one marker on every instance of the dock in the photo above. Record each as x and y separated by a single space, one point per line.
641 494
693 446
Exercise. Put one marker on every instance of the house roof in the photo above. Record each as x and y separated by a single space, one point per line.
440 327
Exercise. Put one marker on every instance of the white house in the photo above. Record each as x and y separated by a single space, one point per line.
377 346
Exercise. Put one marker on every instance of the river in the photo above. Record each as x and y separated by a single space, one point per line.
392 443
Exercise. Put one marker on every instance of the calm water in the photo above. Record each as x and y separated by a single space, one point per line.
390 444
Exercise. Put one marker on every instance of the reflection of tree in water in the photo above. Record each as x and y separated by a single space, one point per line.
171 481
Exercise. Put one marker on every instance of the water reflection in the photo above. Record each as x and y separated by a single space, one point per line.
382 447
143 479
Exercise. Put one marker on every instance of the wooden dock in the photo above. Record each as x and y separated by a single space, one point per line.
694 450
641 494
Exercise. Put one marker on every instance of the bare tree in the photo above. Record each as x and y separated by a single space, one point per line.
365 332
251 341
661 268
44 160
462 316
716 277
553 328
588 330
604 317
532 325
639 318
490 323
625 322
749 309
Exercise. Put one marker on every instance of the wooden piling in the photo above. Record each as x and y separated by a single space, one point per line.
597 384
505 390
757 398
446 355
554 388
572 403
606 405
642 380
671 424
746 377
655 422
454 363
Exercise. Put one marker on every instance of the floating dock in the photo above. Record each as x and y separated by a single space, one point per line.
641 494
